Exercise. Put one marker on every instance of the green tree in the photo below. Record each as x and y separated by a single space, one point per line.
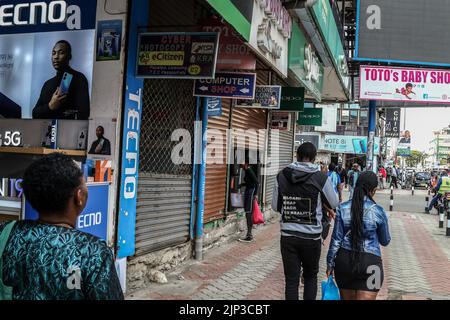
416 158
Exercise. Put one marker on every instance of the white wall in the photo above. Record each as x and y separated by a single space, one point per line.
107 94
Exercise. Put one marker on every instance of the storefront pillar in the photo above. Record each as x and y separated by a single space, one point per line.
371 159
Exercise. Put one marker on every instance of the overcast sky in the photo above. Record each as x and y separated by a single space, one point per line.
422 122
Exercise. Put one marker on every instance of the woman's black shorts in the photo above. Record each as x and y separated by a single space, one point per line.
368 277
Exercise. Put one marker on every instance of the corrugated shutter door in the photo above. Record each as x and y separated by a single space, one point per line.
163 211
164 188
216 174
286 156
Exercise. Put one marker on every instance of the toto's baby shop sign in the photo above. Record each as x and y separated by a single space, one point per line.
405 84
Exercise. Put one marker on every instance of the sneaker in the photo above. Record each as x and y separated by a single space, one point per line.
246 239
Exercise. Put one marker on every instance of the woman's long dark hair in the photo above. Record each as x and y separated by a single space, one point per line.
366 183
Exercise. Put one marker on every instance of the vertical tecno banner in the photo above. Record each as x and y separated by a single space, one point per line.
392 128
403 31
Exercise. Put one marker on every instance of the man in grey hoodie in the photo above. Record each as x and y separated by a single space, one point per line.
300 194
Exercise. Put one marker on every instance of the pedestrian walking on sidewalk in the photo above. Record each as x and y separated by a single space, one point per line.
335 178
251 184
343 174
353 175
354 256
48 259
394 177
300 192
382 176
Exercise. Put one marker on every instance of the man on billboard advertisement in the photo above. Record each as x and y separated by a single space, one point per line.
406 137
46 65
66 95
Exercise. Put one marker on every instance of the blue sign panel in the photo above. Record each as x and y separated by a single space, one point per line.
94 218
214 106
227 85
131 135
30 16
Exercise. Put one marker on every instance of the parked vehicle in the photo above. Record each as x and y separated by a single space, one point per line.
422 179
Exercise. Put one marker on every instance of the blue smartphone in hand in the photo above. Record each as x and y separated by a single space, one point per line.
65 83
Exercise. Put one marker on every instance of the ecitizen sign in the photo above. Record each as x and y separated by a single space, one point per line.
94 218
227 85
188 55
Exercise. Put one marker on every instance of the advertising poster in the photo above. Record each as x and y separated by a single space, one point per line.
281 121
348 144
102 139
266 97
404 144
94 218
46 63
405 84
109 40
177 55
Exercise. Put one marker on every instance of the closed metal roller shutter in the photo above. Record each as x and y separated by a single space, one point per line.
164 188
216 174
286 157
163 208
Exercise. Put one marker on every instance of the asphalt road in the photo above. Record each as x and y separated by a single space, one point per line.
404 201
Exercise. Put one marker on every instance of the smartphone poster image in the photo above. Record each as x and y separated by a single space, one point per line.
357 147
65 83
363 143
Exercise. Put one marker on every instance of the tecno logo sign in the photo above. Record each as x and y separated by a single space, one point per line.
26 14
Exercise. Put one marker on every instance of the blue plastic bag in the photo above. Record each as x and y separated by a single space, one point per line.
330 291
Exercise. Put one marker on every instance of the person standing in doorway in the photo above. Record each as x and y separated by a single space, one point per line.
354 256
251 184
301 191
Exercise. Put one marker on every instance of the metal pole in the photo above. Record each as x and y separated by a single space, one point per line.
447 231
197 133
201 187
391 207
371 138
441 216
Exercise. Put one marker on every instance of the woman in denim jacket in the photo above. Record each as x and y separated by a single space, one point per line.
354 257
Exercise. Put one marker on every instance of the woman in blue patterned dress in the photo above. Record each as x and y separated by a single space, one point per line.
48 259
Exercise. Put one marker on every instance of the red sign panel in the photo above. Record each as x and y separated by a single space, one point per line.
233 52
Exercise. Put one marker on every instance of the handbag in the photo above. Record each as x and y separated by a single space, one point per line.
330 291
237 200
258 217
5 292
